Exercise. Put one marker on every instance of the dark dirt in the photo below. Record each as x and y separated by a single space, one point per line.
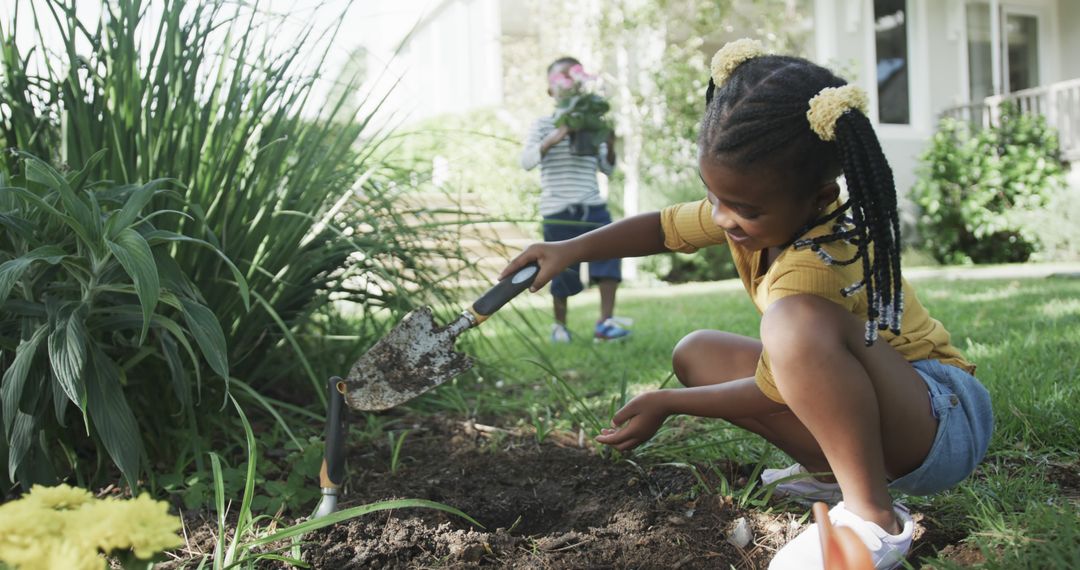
556 504
550 505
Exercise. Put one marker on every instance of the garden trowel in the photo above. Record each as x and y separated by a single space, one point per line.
414 357
417 355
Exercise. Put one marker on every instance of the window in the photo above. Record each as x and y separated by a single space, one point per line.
890 34
1017 46
1021 46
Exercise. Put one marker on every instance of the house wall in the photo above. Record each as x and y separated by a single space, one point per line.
451 64
845 42
1068 26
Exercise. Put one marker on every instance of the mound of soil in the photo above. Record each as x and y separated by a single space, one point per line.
553 504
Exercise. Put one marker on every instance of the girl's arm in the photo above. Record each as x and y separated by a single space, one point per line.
642 416
630 237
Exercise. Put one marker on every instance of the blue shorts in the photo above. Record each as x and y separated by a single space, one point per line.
570 223
965 422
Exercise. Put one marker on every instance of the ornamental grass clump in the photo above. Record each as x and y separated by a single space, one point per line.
279 205
67 527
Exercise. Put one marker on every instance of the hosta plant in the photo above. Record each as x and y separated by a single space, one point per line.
93 310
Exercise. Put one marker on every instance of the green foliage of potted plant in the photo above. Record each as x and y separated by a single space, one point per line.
581 110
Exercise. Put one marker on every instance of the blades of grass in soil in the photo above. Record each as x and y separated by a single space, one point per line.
245 542
396 442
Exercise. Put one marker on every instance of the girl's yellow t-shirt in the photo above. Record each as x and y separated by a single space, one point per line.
689 226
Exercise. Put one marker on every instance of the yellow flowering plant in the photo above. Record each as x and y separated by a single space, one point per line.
67 527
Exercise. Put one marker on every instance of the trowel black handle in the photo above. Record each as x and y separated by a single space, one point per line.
503 291
333 467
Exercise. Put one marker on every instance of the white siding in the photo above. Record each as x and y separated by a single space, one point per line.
1068 27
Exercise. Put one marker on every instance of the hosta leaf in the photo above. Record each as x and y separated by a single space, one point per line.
67 354
135 203
41 204
19 441
12 270
15 376
172 276
17 226
157 236
205 328
133 253
80 212
181 384
39 171
78 179
127 316
60 404
111 416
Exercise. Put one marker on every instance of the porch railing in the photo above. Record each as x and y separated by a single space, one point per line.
1058 102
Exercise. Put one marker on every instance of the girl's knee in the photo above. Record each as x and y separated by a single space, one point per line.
712 357
686 356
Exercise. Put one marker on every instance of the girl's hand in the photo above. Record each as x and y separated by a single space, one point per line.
640 418
553 258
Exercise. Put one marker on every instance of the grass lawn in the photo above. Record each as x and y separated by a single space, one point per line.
1020 509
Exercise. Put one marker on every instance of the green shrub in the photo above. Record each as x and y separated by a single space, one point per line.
975 188
709 264
94 311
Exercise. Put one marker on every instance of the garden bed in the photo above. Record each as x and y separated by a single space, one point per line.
553 504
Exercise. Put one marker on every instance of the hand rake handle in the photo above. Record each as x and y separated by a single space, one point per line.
503 291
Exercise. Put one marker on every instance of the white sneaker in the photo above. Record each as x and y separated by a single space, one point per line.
559 334
801 486
887 551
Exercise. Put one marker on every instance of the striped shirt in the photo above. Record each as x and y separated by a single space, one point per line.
565 178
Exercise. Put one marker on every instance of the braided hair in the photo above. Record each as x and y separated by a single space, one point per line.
758 117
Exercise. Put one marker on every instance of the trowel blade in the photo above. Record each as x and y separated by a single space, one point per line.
411 359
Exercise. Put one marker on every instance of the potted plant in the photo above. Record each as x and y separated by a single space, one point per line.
581 110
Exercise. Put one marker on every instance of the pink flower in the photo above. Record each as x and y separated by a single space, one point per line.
577 73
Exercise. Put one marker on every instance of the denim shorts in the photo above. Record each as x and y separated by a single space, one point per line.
965 423
570 223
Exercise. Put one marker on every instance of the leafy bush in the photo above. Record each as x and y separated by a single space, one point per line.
95 310
709 264
975 188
